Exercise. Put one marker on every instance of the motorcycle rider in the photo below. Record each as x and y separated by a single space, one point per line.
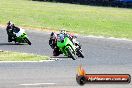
10 29
53 44
53 40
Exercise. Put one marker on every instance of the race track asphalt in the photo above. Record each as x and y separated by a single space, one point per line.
102 56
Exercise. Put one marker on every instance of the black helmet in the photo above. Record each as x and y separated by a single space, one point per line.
12 25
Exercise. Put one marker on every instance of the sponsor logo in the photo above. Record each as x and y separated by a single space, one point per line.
83 78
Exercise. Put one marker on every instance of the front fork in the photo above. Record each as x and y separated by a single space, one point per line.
73 51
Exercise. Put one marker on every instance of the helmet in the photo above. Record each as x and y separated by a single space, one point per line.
61 37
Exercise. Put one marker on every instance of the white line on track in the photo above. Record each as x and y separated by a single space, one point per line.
36 84
109 38
26 61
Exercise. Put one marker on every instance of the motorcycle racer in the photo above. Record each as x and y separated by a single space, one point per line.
10 29
16 34
54 37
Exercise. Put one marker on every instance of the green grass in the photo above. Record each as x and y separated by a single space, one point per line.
88 20
15 56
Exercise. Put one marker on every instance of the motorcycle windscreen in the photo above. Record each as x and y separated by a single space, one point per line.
20 33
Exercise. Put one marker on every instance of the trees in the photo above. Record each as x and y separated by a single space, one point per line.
93 2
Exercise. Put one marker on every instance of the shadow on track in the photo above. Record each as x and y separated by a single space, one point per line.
58 57
1 44
62 58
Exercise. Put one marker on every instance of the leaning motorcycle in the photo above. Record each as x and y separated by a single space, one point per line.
21 37
66 46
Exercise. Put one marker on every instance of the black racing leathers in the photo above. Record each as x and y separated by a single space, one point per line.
10 33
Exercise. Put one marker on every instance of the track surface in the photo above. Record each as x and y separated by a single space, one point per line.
101 56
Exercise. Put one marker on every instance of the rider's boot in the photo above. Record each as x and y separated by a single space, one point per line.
9 39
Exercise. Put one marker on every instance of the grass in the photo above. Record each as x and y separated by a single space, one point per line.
15 56
87 20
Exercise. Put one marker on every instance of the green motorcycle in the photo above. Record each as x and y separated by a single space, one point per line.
21 37
66 46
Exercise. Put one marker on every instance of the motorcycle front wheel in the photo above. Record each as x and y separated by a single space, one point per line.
70 54
27 41
79 53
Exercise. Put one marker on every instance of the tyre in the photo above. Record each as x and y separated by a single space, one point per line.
27 41
79 53
70 54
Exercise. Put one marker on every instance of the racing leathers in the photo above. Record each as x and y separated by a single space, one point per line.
10 29
10 33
